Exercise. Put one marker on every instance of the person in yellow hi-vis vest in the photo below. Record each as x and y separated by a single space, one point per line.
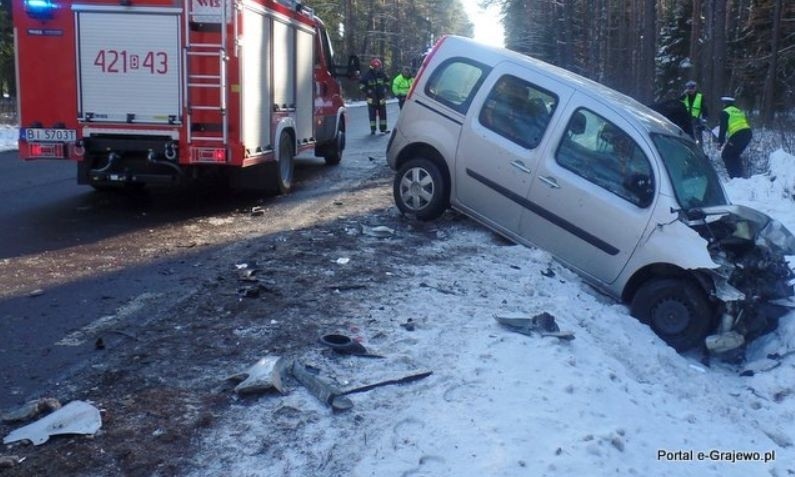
735 132
696 106
401 85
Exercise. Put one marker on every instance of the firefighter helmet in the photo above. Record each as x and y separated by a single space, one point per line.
375 63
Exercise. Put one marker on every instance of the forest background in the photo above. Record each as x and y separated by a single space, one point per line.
647 49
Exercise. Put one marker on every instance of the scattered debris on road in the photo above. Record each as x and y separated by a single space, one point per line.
265 374
343 344
324 391
30 409
77 417
380 231
759 366
8 461
543 324
405 379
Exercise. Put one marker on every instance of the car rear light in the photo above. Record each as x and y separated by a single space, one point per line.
215 155
424 64
45 150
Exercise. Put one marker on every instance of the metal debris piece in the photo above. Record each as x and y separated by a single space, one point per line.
724 342
342 260
36 292
439 289
31 409
543 324
265 374
327 393
77 417
257 211
343 344
247 275
409 325
378 231
249 291
406 379
759 366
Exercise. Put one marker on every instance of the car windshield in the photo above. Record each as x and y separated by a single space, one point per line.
695 182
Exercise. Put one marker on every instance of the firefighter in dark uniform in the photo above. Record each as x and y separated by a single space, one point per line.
374 83
735 132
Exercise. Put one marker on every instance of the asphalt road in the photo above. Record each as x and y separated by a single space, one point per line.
70 256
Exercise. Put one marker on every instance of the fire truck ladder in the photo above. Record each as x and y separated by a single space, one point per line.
194 83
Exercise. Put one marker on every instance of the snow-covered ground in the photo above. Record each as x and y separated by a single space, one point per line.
614 401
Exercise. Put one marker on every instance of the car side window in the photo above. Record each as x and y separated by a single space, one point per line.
601 152
518 111
455 82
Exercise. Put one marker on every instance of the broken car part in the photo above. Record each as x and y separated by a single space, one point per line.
77 417
542 324
327 393
343 344
265 374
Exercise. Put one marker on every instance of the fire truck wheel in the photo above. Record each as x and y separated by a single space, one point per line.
333 152
285 165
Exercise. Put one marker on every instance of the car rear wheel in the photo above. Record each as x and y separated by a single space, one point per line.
677 310
420 189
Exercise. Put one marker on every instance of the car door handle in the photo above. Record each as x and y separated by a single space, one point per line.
520 165
550 181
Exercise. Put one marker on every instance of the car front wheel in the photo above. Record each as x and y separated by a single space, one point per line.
677 311
420 189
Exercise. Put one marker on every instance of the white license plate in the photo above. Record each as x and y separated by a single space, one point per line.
49 135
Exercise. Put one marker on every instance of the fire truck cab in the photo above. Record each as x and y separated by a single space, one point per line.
163 91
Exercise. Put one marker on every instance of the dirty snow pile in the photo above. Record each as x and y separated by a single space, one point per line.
614 401
9 137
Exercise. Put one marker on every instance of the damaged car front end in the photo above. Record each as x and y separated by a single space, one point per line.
753 283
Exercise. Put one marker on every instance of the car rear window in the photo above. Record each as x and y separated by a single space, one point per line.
455 82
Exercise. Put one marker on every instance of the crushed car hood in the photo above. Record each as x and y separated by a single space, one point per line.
749 224
753 281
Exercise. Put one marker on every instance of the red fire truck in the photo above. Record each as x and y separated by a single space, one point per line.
153 91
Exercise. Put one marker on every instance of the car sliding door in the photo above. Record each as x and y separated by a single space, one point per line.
505 133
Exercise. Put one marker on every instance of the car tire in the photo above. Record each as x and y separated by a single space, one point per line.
420 190
677 310
333 151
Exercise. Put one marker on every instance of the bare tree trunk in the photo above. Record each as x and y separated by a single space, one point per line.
718 52
648 50
770 80
695 39
350 29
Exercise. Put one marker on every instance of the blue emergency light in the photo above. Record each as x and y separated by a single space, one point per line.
40 9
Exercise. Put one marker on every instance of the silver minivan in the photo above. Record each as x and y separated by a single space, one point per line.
609 187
